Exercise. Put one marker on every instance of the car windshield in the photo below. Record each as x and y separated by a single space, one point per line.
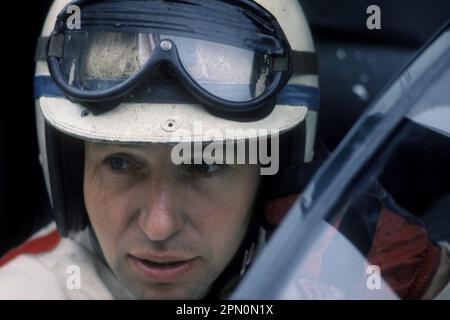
387 236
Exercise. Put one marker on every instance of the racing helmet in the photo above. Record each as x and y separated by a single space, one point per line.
147 71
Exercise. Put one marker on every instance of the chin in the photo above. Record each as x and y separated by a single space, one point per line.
141 288
166 292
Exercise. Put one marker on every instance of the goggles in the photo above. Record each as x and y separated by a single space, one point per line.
232 56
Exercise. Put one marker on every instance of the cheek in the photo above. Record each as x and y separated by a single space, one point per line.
109 212
222 217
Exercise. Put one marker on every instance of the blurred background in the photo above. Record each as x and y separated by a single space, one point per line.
355 65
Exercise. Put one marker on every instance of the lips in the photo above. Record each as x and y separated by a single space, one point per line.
162 265
163 268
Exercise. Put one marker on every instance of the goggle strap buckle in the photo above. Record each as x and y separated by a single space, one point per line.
281 64
305 63
41 48
56 46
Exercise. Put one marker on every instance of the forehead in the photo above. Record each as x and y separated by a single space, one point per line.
148 147
148 151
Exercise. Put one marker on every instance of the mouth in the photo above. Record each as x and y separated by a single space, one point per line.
163 270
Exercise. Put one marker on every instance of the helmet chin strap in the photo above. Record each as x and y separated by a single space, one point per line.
253 240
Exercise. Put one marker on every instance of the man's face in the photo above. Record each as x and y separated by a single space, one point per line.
167 231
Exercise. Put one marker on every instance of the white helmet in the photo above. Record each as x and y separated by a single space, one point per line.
136 111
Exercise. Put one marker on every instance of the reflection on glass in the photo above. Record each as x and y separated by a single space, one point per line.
101 60
388 238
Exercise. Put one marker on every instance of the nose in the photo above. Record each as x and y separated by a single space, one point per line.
159 217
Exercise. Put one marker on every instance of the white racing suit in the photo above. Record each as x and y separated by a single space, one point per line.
50 267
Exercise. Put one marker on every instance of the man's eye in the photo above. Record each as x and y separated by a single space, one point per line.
118 163
205 168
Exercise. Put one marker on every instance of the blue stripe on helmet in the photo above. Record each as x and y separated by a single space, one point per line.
44 86
299 95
